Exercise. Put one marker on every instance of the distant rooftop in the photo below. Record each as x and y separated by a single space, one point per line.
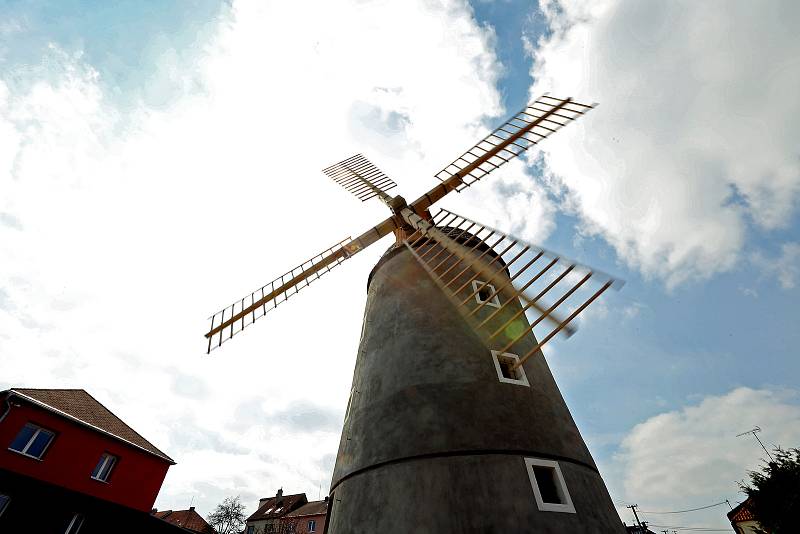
311 508
188 519
274 507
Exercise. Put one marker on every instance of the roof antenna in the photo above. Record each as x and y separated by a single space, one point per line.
754 431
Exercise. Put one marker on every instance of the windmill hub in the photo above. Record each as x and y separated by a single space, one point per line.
396 204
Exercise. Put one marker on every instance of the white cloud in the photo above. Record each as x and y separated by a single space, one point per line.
696 133
691 457
123 229
785 267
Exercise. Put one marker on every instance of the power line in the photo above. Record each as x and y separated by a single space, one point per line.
683 511
697 529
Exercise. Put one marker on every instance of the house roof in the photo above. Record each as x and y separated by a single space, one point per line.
79 406
188 519
269 509
311 508
742 512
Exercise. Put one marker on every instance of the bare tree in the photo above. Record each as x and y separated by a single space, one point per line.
228 517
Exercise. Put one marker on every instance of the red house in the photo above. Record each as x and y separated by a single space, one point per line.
64 443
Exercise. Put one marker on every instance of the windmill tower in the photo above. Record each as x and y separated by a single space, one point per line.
455 423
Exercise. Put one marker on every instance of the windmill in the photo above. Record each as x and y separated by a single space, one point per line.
454 424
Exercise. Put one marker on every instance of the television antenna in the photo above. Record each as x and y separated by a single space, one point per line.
754 431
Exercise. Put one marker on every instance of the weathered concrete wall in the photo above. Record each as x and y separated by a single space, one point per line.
434 442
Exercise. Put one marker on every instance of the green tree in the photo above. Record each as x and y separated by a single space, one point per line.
775 492
228 517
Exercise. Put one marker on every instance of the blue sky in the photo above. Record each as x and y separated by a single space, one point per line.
161 121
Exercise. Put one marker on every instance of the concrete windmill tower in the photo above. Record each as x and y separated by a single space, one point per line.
455 423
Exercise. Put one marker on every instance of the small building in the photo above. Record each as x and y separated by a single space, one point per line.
308 519
742 519
267 519
187 519
68 464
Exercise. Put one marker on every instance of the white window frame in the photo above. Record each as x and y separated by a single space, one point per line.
32 439
493 302
4 504
78 520
566 505
312 525
105 457
521 381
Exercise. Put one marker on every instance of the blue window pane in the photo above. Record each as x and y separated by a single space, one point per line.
107 469
23 438
3 503
40 443
99 465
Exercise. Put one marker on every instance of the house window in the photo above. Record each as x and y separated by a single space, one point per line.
504 365
103 468
485 293
312 525
250 529
75 524
549 488
4 500
32 441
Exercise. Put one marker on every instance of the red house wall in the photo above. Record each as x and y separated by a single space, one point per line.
301 523
74 453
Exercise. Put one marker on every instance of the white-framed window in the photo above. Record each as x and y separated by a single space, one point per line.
312 525
504 363
4 500
549 488
484 293
32 440
75 524
104 466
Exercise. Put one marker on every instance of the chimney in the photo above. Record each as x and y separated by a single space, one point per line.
191 508
279 497
326 498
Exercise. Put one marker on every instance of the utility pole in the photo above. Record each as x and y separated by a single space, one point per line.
753 431
633 507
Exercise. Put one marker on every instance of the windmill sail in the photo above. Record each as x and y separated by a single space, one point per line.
537 121
232 319
483 271
361 177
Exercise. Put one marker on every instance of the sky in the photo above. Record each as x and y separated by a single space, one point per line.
158 161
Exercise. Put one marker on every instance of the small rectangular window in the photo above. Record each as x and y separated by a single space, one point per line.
4 500
32 441
250 529
75 524
312 526
549 488
104 466
485 293
504 365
